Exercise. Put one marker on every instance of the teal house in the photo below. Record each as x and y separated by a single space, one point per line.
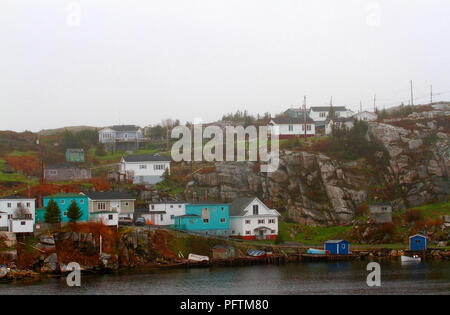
64 200
205 218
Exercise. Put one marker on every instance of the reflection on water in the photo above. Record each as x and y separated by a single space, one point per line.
302 278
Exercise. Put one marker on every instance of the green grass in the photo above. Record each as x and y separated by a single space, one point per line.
436 210
311 235
22 153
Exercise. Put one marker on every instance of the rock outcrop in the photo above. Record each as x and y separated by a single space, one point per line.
314 189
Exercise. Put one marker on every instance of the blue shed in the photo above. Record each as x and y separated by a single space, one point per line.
337 247
417 242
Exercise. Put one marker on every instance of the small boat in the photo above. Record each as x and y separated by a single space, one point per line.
197 258
313 251
256 253
415 258
4 272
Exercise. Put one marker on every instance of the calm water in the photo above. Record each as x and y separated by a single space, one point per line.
302 278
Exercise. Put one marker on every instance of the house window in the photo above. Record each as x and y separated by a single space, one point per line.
172 217
272 231
10 216
161 217
159 167
65 214
343 246
338 114
101 206
23 223
9 204
232 232
247 232
28 204
322 114
255 210
153 207
291 128
126 204
261 221
81 201
222 220
308 127
222 208
142 166
110 217
171 206
247 221
271 220
205 220
28 216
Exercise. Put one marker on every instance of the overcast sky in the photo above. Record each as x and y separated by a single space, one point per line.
98 63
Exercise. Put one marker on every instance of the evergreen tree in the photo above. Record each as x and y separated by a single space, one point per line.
331 113
52 213
74 212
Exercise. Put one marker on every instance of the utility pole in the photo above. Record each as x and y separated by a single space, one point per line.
360 106
304 115
431 94
331 102
412 95
375 103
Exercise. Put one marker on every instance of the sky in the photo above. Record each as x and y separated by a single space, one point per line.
100 63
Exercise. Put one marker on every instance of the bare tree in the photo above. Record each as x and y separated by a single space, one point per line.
21 213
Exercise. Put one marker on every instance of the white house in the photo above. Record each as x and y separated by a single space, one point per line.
338 123
289 127
251 219
164 213
366 116
320 113
121 137
119 133
108 218
17 214
145 168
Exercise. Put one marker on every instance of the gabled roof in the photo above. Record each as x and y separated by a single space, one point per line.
109 195
327 108
146 158
65 195
335 241
420 235
339 119
62 165
125 128
238 205
173 202
291 120
14 197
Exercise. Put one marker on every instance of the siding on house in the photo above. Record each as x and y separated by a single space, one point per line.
145 169
8 207
205 218
111 201
64 200
251 219
66 172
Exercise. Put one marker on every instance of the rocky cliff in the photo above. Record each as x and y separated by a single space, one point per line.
314 189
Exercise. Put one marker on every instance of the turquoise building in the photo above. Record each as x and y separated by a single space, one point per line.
64 200
205 218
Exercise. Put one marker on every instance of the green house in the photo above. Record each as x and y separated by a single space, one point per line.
75 155
64 200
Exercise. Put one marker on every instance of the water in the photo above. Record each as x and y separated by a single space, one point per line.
301 278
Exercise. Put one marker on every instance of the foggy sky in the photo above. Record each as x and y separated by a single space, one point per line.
98 63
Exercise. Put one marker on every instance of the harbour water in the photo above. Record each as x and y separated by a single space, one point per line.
299 278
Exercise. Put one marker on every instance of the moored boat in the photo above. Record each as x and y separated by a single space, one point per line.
415 258
313 251
256 253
